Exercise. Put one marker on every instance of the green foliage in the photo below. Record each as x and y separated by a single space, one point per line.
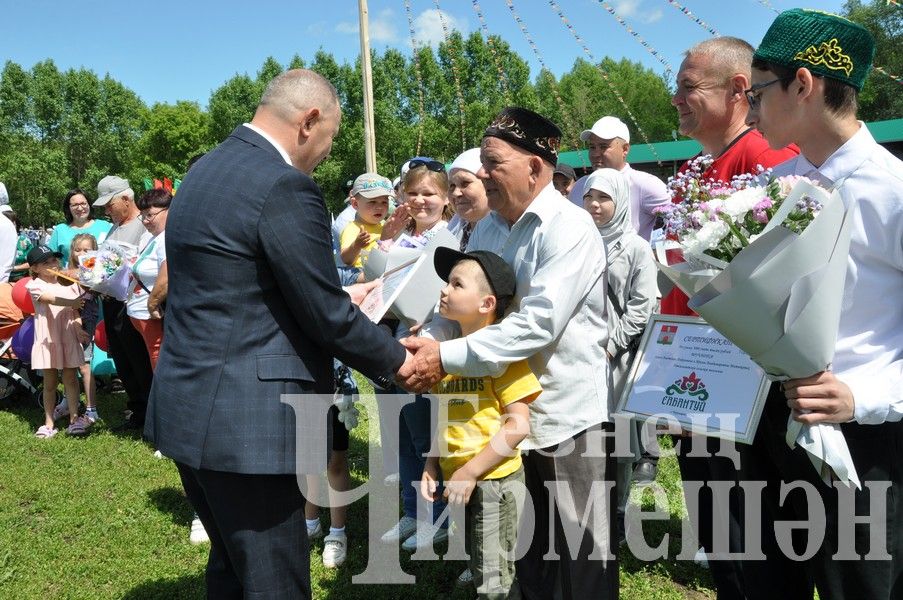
881 97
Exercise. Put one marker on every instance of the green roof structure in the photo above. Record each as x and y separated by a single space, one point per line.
884 132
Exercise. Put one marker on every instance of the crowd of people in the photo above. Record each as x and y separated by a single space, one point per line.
548 288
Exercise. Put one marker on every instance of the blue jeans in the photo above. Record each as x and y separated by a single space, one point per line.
415 435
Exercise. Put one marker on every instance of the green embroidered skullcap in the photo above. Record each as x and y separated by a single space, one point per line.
825 44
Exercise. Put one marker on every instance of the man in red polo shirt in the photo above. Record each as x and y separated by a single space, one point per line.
712 109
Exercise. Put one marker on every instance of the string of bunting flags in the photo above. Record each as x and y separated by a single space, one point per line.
606 78
542 63
503 79
639 38
456 75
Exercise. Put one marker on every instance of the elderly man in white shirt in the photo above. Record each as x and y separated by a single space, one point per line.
608 142
560 328
798 97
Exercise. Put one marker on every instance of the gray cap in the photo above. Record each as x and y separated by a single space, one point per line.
110 187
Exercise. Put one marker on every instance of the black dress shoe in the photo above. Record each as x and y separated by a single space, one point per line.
644 472
130 424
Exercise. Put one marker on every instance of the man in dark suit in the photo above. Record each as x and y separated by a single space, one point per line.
255 311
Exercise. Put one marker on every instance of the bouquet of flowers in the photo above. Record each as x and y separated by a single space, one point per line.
774 251
106 270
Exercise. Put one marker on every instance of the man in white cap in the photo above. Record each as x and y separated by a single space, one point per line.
608 142
8 238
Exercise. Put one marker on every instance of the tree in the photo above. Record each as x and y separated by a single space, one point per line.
172 134
232 104
881 97
591 96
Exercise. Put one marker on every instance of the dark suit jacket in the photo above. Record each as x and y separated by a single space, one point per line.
254 310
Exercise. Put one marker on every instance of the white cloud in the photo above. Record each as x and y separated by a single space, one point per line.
653 16
382 28
634 9
627 8
347 27
428 27
316 28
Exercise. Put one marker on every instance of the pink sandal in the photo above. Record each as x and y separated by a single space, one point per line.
79 427
45 432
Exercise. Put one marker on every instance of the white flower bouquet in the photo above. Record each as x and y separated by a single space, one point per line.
106 270
765 265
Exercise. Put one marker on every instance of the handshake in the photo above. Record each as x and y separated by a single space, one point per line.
422 367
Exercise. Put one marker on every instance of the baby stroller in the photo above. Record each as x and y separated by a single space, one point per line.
17 379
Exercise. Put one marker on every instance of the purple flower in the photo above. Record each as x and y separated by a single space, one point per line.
764 204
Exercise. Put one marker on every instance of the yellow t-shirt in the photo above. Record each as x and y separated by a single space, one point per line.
349 234
470 413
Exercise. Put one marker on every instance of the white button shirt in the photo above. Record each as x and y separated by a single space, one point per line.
560 323
869 352
647 192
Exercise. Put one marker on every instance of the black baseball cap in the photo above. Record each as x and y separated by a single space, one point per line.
40 254
566 170
499 274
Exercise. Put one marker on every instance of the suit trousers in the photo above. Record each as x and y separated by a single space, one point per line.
725 573
577 469
876 452
258 537
129 352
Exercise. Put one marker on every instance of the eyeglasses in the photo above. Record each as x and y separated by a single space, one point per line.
78 205
148 217
432 165
754 93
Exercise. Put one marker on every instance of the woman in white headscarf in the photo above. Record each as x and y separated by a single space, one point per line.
631 293
467 195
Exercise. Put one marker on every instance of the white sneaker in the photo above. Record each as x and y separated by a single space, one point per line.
334 550
466 577
392 479
427 535
158 454
316 532
198 534
402 530
701 559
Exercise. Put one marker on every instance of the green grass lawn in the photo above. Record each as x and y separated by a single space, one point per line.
100 517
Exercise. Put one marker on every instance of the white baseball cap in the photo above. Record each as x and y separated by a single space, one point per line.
608 128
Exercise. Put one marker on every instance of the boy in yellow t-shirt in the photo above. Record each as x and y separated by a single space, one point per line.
370 196
487 418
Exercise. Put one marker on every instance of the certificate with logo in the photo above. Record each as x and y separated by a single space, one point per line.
688 371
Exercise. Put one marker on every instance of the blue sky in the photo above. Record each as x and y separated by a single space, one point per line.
167 50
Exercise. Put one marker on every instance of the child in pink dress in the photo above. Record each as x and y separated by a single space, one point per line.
57 338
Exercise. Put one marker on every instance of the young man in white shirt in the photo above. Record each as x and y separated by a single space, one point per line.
805 79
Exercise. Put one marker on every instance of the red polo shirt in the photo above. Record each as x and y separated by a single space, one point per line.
743 155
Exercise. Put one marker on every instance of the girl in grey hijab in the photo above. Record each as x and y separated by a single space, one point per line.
631 293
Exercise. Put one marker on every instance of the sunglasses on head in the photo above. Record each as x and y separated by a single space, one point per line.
432 165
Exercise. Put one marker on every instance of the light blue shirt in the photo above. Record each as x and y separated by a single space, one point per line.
61 238
560 325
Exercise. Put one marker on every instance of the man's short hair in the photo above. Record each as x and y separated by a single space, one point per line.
840 98
298 90
729 55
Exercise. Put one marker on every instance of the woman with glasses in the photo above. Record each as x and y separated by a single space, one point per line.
77 210
149 278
